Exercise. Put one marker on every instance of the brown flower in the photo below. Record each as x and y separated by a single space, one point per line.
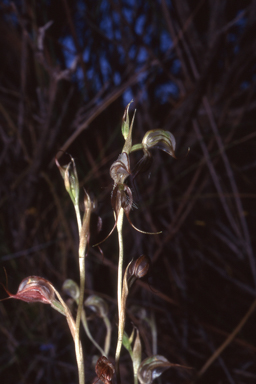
104 370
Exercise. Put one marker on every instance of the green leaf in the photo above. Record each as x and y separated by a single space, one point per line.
127 342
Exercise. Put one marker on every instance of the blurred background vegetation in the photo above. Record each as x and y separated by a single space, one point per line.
67 71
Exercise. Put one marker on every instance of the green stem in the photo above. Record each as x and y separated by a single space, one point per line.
119 290
120 259
108 335
86 328
78 345
78 218
136 147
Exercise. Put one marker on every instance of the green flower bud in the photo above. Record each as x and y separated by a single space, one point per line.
71 288
126 124
69 174
97 304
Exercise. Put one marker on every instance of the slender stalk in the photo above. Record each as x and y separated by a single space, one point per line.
81 255
120 259
86 328
73 330
78 218
119 290
78 316
108 335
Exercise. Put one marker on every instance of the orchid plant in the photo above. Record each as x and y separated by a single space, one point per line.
37 289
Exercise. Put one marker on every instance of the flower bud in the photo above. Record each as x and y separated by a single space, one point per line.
127 130
126 124
71 288
138 269
104 370
69 174
97 304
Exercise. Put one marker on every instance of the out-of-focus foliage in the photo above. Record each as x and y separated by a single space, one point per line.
67 71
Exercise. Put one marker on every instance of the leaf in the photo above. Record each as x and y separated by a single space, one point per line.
127 342
136 360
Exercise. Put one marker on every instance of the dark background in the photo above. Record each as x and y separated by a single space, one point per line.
190 68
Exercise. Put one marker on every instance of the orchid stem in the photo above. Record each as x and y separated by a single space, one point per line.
108 335
81 255
78 218
86 328
119 290
78 345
